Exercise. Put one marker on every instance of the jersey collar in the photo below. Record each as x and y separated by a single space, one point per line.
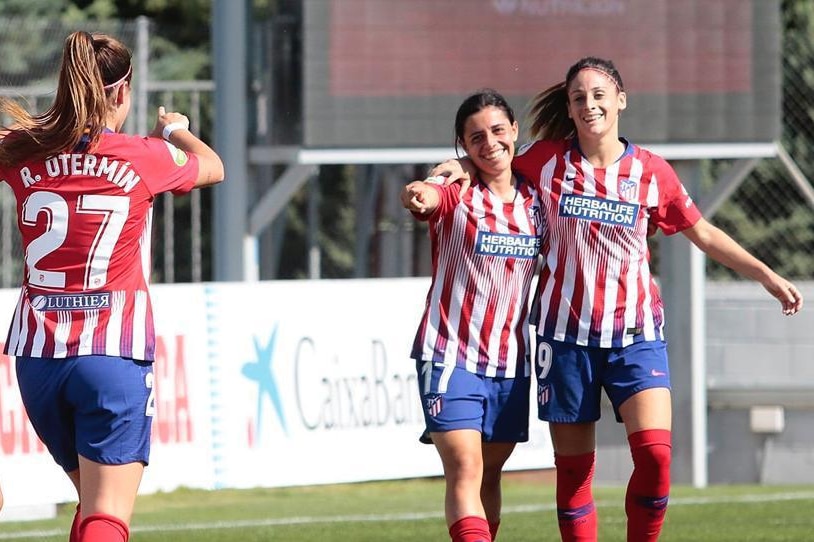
627 152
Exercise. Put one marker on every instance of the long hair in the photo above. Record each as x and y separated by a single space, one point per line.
480 100
93 67
548 111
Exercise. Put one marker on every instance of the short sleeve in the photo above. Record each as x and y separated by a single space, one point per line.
166 168
448 198
675 210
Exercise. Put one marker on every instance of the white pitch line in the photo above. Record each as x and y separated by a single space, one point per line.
524 509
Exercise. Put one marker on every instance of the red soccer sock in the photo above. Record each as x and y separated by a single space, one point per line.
493 527
649 486
575 501
470 529
77 520
103 528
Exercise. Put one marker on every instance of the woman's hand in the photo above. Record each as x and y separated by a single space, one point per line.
420 197
168 121
210 166
458 170
785 292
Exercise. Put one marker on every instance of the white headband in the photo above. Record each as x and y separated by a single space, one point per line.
120 81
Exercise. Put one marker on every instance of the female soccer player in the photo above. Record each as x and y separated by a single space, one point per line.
471 349
598 311
82 331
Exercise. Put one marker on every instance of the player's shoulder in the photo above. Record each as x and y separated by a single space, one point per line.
148 152
530 158
125 146
649 159
525 186
119 139
540 147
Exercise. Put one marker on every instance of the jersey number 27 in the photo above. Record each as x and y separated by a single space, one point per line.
53 206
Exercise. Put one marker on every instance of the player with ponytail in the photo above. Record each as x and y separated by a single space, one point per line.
598 311
82 332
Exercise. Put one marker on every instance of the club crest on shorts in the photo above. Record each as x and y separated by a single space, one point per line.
433 403
543 393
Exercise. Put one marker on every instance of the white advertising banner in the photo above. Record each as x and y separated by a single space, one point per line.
180 451
269 384
316 384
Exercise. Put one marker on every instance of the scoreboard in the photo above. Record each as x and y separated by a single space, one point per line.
391 73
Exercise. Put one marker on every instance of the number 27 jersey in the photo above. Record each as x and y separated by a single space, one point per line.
85 221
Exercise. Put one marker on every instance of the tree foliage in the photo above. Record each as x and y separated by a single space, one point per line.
767 213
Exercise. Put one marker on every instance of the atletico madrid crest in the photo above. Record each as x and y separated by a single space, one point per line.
536 215
543 394
628 189
433 403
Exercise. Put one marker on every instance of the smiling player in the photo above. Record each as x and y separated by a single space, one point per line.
598 310
82 331
472 346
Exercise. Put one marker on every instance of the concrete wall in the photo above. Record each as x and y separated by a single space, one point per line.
755 357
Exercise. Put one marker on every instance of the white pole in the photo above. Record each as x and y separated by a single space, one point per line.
251 258
699 367
142 73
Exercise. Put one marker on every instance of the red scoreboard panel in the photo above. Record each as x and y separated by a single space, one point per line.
391 73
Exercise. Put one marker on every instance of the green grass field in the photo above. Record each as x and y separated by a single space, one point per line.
412 510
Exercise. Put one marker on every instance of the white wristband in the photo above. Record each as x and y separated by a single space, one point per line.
171 127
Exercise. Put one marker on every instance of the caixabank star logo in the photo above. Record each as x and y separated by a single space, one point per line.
261 371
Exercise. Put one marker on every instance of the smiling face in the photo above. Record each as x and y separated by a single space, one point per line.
488 139
594 102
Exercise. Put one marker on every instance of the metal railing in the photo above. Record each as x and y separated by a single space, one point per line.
179 229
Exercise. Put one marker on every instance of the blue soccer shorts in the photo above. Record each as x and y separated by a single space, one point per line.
570 377
453 398
99 407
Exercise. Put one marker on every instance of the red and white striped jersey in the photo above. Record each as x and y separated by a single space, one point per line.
595 288
85 220
484 254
